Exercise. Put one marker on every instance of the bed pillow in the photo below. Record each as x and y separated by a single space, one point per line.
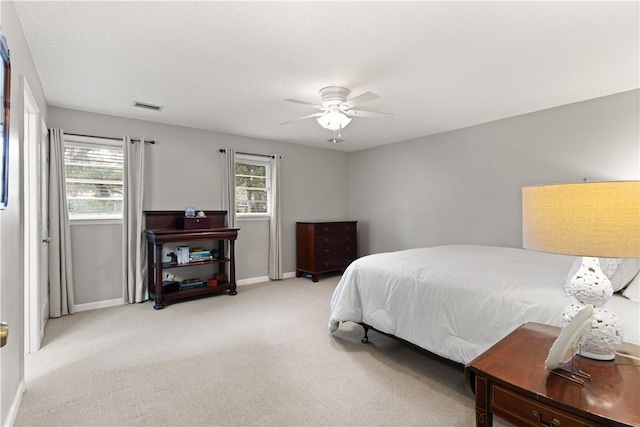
620 271
633 290
623 275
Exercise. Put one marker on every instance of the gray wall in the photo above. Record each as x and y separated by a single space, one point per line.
310 190
465 186
457 187
11 222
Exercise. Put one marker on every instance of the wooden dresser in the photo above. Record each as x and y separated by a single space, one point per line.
325 246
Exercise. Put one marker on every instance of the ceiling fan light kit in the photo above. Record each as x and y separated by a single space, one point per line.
336 110
334 119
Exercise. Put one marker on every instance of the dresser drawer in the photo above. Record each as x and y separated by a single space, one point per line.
335 239
323 229
333 263
343 250
529 412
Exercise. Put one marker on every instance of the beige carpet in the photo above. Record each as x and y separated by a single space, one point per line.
262 357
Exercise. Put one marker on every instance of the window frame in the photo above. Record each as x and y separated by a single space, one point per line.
92 142
260 161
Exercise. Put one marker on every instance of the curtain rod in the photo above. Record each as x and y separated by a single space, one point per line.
105 137
222 150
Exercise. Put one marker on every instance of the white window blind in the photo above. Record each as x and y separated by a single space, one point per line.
94 178
253 186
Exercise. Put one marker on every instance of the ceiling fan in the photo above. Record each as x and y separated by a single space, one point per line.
336 111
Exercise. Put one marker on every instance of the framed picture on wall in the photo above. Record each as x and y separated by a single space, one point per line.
5 96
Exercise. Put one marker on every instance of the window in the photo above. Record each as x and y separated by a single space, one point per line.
253 186
94 177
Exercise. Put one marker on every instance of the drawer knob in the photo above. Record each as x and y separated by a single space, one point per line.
552 423
325 229
326 239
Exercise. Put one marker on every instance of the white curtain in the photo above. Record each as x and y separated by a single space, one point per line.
135 246
275 238
60 268
229 185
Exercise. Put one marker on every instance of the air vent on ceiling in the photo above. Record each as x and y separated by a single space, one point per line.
147 106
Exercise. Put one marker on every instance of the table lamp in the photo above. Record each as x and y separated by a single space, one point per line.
590 220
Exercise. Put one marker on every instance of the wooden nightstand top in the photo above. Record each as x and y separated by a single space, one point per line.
516 363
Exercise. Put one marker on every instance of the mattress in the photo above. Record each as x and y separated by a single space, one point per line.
458 300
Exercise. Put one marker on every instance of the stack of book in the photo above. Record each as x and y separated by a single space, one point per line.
191 283
199 255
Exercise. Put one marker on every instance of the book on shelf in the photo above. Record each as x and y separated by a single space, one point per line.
183 255
200 256
191 283
208 256
199 261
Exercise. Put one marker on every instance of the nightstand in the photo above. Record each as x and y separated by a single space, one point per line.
511 382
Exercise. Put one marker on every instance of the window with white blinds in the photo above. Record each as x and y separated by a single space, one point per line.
94 172
253 186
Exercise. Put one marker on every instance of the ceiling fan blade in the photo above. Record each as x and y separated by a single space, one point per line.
302 118
360 99
295 101
363 113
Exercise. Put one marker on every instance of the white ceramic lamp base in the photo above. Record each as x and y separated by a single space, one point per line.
591 286
605 335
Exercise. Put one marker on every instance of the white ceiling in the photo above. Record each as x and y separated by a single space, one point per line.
227 66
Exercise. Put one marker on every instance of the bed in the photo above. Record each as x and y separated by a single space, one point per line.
458 300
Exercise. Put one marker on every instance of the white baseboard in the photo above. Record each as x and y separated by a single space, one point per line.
120 301
253 280
15 405
98 304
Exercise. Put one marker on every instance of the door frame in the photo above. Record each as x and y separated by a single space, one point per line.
43 218
32 239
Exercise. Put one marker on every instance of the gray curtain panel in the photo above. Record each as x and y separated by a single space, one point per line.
60 268
275 238
135 247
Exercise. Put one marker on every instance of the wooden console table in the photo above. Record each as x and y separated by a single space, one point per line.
510 381
167 227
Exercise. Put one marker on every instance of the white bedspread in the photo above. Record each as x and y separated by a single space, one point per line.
458 300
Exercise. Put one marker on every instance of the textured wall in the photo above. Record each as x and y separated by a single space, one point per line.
465 186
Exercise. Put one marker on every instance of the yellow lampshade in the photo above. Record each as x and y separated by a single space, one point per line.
593 219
